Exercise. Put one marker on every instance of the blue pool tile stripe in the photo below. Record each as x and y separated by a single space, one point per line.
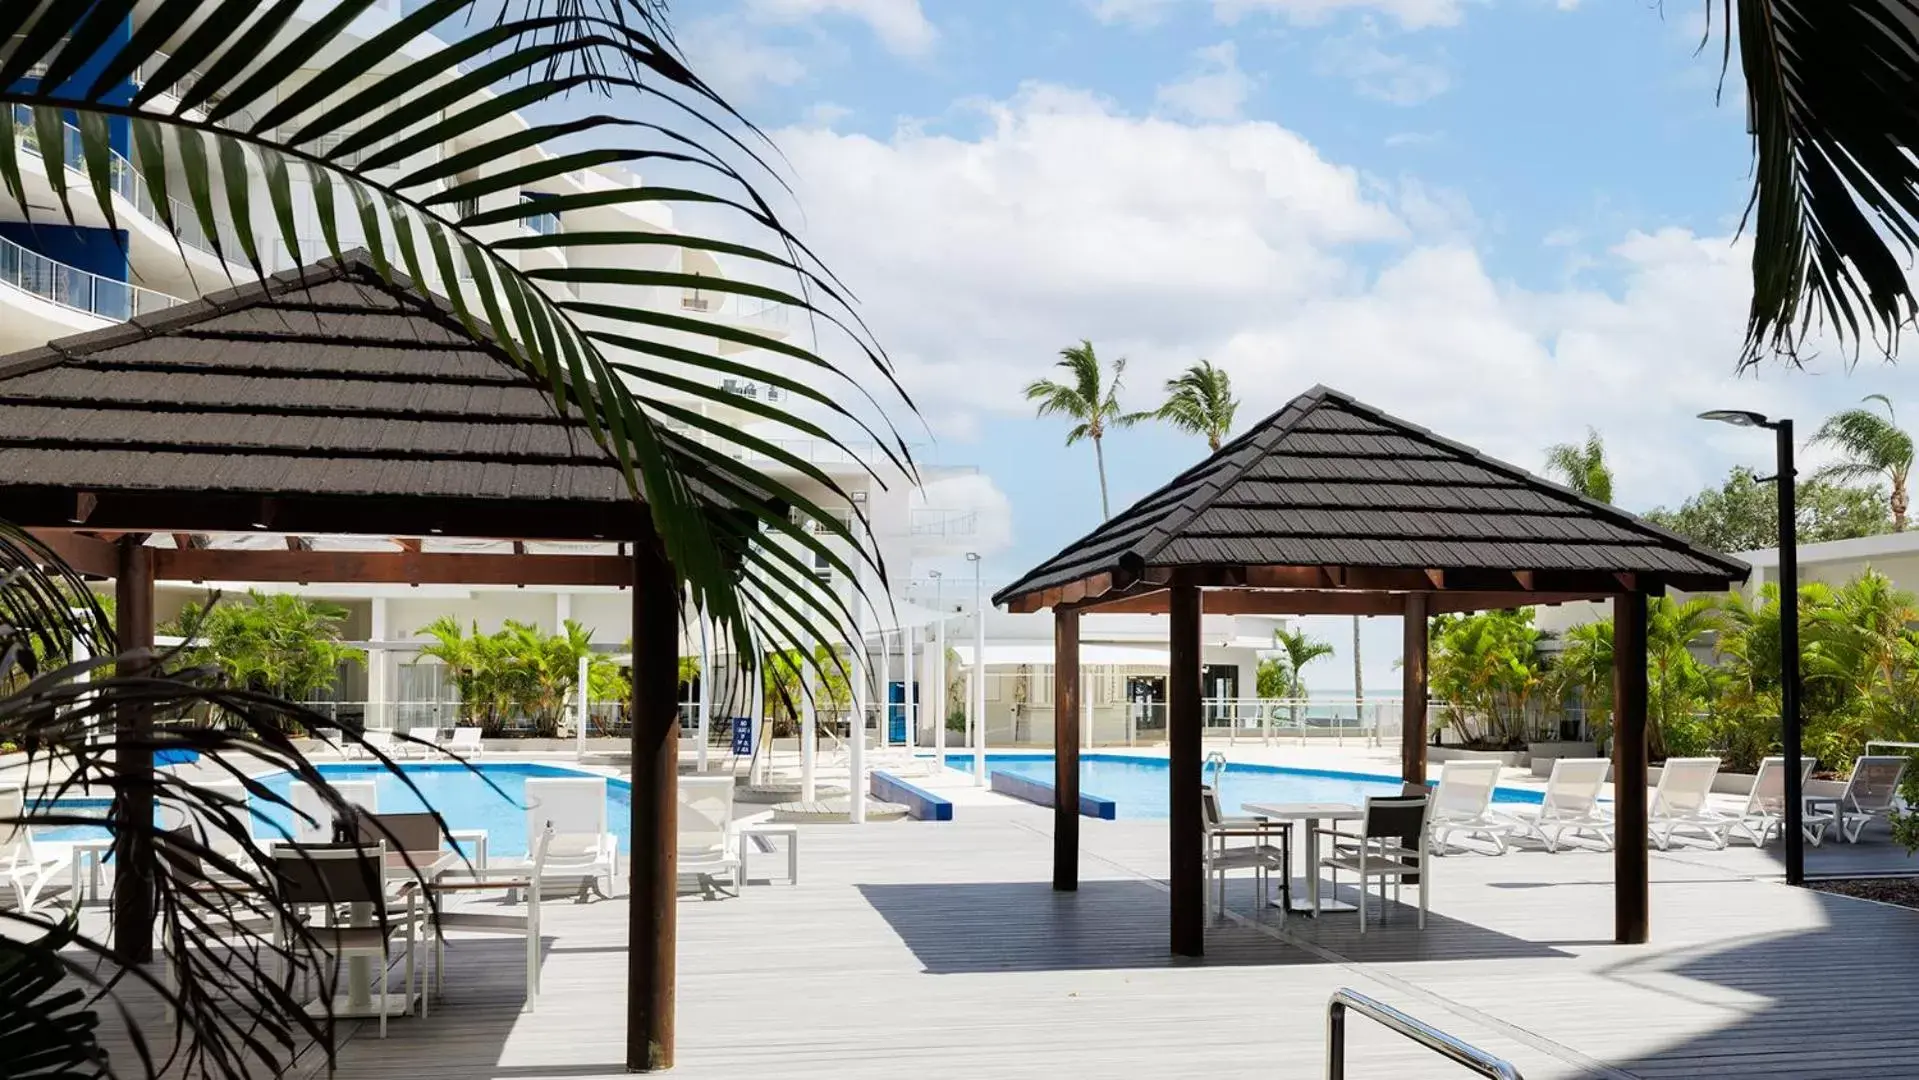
920 803
1043 793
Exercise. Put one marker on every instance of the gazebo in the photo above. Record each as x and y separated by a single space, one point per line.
1332 507
325 401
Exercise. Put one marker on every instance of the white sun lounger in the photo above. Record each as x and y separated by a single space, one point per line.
1765 809
1869 794
465 743
1679 803
1571 805
583 849
307 804
1462 803
422 741
26 864
371 739
708 844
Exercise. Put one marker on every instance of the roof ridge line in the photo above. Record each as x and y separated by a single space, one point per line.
1623 518
1259 438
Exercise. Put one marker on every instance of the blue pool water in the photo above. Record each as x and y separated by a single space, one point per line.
1138 785
465 800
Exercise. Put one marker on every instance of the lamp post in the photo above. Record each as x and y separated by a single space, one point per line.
979 676
1789 726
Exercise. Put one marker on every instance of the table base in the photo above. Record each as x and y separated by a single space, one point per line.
399 1004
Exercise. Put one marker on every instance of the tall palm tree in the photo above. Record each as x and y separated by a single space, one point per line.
1870 446
1088 397
411 161
1200 400
1582 466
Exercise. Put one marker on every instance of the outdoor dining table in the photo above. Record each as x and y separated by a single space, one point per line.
400 866
1312 813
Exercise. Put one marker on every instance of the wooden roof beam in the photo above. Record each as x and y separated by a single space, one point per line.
89 555
390 568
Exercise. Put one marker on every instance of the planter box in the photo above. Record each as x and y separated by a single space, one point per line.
1512 759
1543 754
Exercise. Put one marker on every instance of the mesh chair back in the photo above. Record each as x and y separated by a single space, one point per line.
1466 787
1209 801
1575 783
1875 781
402 832
1397 816
325 874
1684 784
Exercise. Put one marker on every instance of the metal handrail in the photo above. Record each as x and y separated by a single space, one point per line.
1419 1031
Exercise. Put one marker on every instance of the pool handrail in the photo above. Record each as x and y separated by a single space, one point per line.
1447 1046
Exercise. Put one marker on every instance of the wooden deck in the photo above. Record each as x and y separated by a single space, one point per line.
938 950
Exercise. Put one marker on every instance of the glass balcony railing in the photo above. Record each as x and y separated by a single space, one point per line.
72 287
125 180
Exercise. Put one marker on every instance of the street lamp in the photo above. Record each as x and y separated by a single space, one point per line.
979 676
1789 727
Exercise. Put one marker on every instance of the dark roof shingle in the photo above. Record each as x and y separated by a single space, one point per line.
1330 482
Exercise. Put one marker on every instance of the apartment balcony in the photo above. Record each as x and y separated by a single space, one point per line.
753 391
748 312
944 523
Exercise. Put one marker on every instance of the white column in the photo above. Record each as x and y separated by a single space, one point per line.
376 663
562 611
911 708
756 772
706 695
856 737
808 790
886 692
584 699
979 692
939 690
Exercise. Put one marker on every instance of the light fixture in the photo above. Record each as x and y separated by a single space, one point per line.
1737 418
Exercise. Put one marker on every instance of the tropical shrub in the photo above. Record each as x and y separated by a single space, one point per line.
518 678
1487 671
275 643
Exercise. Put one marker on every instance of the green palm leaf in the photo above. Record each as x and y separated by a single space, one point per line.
211 112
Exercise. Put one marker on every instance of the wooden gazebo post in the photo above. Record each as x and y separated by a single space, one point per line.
133 759
1631 901
1186 832
1066 750
1412 718
652 909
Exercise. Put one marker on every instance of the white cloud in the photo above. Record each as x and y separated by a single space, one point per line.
1214 89
1414 138
1411 14
735 61
899 24
977 257
1395 78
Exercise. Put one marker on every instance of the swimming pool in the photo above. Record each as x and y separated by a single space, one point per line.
465 800
1137 785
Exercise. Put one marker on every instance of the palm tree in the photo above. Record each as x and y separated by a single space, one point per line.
1582 466
411 161
1088 397
1870 445
1200 401
1297 649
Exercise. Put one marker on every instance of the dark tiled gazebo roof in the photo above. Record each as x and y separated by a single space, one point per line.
1331 483
338 401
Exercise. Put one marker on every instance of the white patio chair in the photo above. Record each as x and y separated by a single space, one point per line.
1571 805
1387 847
583 849
708 844
1765 808
1462 803
464 917
1270 851
1870 793
421 742
28 865
313 817
221 842
465 743
1680 803
370 740
328 877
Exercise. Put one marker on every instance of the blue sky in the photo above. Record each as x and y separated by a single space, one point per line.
1504 219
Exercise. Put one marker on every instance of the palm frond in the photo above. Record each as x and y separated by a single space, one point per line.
1835 200
405 154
